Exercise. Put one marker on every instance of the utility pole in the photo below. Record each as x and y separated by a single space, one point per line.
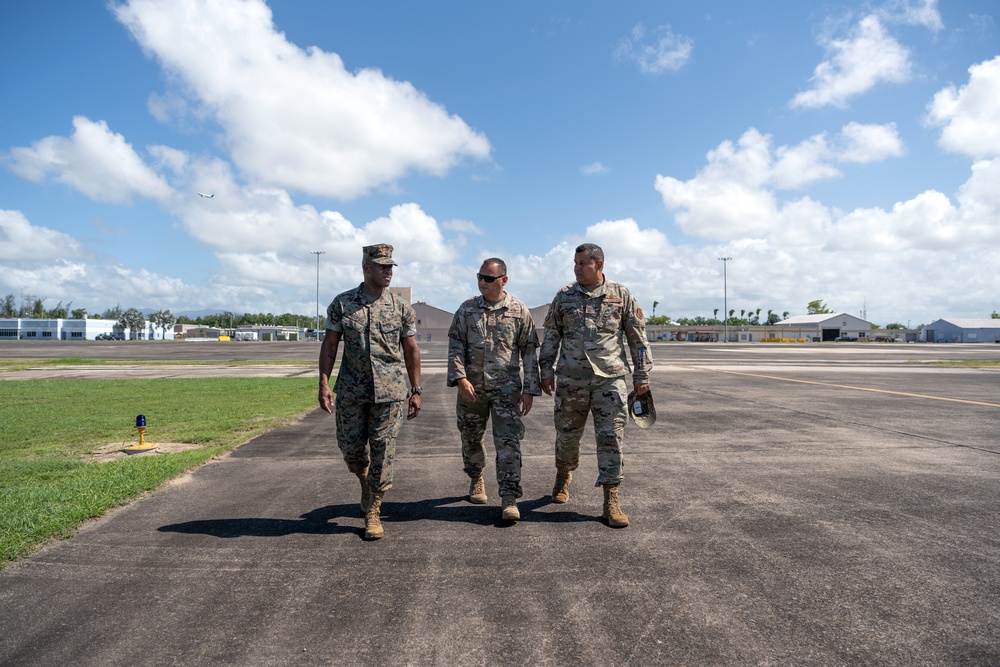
317 253
725 294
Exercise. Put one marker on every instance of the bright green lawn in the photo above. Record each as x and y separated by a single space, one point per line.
46 489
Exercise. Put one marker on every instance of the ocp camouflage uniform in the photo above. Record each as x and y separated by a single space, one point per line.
584 328
371 385
487 345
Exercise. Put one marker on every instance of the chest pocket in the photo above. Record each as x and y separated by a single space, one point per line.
575 316
612 309
506 331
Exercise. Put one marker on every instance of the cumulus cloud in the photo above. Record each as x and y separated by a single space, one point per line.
21 241
869 143
970 115
94 160
733 195
294 118
866 57
663 50
593 169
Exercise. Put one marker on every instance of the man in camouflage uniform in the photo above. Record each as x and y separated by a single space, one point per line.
490 338
378 330
584 328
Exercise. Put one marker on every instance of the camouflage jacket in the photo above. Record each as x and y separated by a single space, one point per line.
372 330
585 330
487 345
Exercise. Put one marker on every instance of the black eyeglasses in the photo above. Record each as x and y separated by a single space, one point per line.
488 279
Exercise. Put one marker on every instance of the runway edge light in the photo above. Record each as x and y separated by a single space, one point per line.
142 445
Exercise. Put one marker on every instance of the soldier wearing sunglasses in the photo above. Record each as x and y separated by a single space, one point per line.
491 338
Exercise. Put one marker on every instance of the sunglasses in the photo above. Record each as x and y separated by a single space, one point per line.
487 279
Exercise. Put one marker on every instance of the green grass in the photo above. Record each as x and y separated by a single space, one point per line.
25 364
968 362
46 487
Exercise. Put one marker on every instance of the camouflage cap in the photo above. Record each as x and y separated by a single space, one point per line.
642 409
380 253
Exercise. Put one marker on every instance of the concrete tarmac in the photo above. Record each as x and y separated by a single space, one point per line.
806 505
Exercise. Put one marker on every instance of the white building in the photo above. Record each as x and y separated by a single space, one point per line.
60 329
825 326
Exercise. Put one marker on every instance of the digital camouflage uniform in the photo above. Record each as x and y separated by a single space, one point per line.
487 345
371 384
584 328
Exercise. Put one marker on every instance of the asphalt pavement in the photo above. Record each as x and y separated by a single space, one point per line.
793 505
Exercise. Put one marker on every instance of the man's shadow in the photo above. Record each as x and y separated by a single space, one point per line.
318 521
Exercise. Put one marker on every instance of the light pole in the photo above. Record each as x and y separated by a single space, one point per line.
317 253
725 294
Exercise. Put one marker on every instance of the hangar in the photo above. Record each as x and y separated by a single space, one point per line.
827 326
960 330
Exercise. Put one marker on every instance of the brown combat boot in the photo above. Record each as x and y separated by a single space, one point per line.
509 507
560 492
366 491
612 510
477 491
373 525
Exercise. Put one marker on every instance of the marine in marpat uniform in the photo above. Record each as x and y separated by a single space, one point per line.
583 331
378 330
491 337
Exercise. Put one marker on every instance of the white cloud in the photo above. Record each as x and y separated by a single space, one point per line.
296 118
732 196
593 169
94 160
922 12
970 115
462 226
21 241
908 260
666 51
869 143
867 57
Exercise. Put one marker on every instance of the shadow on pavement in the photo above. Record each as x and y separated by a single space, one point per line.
317 522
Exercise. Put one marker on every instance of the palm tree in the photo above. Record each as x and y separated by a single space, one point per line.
655 304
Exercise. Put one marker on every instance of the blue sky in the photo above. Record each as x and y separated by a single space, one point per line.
848 152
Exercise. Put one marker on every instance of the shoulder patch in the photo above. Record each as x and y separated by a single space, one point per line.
638 311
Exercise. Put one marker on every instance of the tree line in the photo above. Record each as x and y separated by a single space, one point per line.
752 318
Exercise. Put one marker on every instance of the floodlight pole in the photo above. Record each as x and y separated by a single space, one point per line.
317 253
725 294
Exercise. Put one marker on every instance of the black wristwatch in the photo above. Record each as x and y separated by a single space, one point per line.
416 390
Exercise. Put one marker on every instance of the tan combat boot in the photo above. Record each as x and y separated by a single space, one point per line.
560 492
366 491
510 511
612 510
373 525
477 491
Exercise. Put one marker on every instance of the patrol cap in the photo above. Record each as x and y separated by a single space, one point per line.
642 409
380 253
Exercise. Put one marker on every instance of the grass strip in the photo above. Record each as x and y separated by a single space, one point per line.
47 490
25 364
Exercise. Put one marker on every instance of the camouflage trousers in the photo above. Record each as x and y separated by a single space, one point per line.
605 399
507 433
366 435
